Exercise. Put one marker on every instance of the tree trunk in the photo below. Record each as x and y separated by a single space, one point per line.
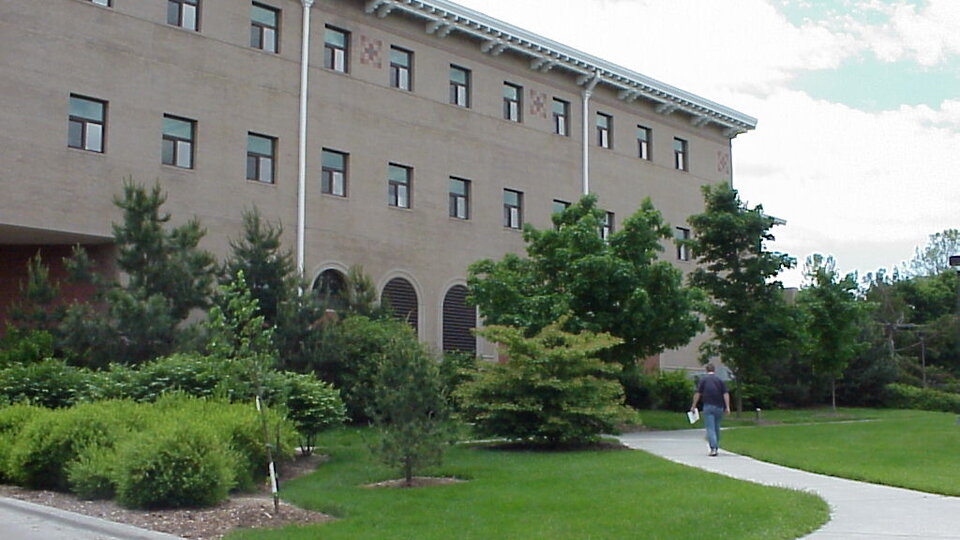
833 394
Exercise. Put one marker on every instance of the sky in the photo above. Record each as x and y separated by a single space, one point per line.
857 144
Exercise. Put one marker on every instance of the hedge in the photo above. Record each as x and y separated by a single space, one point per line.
903 396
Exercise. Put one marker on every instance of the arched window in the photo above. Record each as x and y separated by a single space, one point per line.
330 286
459 319
401 298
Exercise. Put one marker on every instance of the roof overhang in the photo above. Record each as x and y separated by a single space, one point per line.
443 18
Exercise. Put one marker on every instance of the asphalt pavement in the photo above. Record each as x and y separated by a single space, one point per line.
858 510
20 520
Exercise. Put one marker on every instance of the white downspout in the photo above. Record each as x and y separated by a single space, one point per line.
587 92
302 165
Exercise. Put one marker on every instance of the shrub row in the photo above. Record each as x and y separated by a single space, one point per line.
903 396
312 404
668 390
179 451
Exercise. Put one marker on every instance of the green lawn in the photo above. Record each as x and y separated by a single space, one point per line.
668 420
541 495
911 449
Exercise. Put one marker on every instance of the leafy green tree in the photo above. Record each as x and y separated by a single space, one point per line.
831 316
934 258
751 321
409 409
616 286
552 390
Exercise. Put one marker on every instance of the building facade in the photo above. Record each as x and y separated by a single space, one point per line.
410 137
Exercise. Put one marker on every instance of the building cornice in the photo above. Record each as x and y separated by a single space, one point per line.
496 37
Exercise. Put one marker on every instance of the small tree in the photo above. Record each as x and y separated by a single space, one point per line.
552 390
751 322
38 308
831 320
167 277
409 409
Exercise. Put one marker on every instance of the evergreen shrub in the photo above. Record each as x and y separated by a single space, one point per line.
903 396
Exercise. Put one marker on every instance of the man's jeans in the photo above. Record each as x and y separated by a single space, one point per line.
711 418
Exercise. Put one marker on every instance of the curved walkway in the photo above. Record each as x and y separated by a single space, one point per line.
858 510
21 520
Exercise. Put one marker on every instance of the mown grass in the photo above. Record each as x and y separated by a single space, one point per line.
668 420
910 449
596 494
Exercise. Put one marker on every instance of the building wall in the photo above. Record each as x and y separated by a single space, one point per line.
128 56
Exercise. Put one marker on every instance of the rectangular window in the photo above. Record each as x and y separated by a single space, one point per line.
459 86
398 186
643 142
680 154
104 3
261 155
559 206
459 198
512 102
604 130
87 123
561 117
178 139
401 66
184 13
264 27
683 252
333 174
512 209
606 228
335 48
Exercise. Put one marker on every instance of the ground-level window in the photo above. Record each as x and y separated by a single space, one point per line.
400 298
459 319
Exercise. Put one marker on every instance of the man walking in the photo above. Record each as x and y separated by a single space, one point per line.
716 402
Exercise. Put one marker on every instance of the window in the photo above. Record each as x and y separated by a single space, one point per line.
104 3
335 43
604 129
680 154
459 86
398 186
183 13
561 117
559 206
88 120
264 27
606 228
333 175
459 320
683 252
512 95
643 142
459 198
261 152
512 209
401 64
331 287
177 142
402 300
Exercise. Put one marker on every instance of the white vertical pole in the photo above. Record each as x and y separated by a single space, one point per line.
302 165
587 92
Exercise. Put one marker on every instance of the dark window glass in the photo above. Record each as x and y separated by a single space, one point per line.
86 124
561 117
512 209
459 86
398 186
401 65
184 13
680 154
261 155
178 136
335 49
333 176
264 27
604 127
512 105
459 198
643 142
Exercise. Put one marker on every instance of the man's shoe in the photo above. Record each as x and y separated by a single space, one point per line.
713 453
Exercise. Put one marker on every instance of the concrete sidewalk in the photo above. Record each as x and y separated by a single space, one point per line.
858 510
20 520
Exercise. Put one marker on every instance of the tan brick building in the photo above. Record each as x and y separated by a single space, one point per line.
430 133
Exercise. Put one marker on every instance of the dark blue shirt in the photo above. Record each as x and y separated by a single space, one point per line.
711 390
